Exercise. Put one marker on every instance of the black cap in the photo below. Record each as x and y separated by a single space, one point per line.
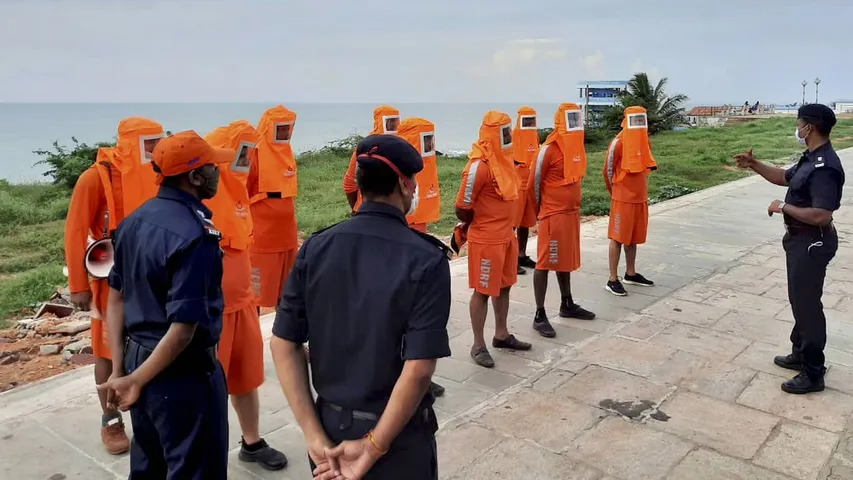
390 150
818 115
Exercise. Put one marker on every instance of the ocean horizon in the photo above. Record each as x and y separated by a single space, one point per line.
25 127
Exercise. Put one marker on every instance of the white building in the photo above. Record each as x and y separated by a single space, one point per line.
844 106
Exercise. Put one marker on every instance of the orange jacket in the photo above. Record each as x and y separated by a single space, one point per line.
120 180
420 133
568 135
277 169
386 121
230 206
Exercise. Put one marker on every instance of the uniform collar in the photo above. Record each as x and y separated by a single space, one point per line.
819 151
171 193
382 209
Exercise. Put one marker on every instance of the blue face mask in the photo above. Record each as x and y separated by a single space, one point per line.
801 140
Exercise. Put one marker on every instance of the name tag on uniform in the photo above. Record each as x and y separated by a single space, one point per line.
818 165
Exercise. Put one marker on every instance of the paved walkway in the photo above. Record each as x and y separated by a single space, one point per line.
675 381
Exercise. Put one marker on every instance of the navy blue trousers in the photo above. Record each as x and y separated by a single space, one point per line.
180 424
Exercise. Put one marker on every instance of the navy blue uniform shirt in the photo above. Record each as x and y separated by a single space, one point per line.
369 294
815 181
168 266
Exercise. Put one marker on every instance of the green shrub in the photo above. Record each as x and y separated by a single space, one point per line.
65 166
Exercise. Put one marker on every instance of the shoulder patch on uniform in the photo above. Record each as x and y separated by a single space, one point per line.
208 226
438 243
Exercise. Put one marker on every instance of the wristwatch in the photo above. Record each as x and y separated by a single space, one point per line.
782 207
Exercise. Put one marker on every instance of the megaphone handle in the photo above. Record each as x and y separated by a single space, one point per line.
107 223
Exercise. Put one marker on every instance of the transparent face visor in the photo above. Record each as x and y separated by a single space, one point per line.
428 144
528 122
574 120
147 143
283 132
506 137
391 123
638 121
243 160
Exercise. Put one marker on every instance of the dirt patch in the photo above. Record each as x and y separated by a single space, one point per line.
32 369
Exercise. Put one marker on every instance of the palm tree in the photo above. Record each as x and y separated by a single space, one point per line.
664 112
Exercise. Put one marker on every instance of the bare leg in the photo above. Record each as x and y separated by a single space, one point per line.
501 305
247 406
523 234
630 260
540 287
614 252
564 280
103 370
478 308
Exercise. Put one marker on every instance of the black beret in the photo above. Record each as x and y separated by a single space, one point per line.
818 114
390 150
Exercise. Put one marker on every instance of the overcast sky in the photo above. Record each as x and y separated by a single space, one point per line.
418 50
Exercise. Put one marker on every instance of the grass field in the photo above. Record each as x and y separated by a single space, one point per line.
31 216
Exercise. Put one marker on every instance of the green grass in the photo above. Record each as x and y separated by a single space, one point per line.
31 216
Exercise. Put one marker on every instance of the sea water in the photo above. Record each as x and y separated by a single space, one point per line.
25 127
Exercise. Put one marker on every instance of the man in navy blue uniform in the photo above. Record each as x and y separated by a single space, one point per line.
810 242
166 307
373 297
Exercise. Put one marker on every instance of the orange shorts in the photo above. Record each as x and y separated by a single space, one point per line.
421 227
492 268
100 340
629 222
559 243
526 214
269 274
241 350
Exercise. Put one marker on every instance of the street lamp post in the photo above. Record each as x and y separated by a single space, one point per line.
804 91
816 83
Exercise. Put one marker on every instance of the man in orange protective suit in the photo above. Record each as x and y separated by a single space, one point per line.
420 133
525 143
241 345
627 164
120 180
555 190
386 121
486 206
272 193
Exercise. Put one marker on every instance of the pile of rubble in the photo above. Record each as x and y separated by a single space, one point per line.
56 329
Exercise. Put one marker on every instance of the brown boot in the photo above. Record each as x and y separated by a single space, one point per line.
114 437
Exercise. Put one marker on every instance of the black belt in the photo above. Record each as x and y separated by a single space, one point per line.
421 415
809 229
204 359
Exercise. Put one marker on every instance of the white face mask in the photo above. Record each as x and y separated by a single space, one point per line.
801 140
414 206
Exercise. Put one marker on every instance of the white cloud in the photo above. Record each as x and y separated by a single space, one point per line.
593 66
526 51
654 74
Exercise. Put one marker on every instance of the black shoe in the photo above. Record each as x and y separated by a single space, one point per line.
788 361
802 384
542 325
521 271
526 262
436 389
575 311
262 454
510 343
615 287
638 280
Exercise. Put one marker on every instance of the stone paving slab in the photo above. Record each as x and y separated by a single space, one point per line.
670 382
